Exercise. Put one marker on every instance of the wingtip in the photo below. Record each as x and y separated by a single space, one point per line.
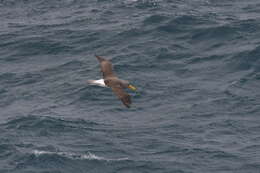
128 106
99 58
127 101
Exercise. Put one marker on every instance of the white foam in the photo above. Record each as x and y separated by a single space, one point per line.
88 156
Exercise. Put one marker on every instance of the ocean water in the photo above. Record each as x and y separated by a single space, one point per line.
196 65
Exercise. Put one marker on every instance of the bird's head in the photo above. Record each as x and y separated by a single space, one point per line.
126 84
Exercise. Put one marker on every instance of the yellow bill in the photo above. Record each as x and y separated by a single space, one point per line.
132 87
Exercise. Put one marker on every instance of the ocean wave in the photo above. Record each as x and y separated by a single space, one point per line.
52 124
195 64
153 19
74 156
246 60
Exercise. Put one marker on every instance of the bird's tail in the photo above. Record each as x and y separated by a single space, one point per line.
99 82
100 59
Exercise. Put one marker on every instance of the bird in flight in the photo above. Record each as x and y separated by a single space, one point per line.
111 80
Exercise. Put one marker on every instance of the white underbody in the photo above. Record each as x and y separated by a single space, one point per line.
99 82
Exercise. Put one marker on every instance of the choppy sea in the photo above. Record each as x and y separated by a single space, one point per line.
196 65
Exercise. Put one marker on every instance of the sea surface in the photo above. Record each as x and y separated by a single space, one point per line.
195 63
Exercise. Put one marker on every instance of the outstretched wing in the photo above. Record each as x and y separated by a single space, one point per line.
106 67
122 95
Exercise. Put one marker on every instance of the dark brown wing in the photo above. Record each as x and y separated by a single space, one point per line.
106 67
122 95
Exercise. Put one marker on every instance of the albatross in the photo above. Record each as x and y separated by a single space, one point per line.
112 81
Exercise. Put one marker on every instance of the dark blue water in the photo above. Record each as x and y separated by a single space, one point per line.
196 65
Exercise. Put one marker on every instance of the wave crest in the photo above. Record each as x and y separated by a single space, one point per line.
74 156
